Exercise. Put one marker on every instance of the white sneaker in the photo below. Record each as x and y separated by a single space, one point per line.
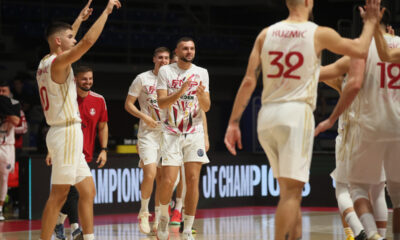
187 236
154 229
162 230
376 237
1 216
144 225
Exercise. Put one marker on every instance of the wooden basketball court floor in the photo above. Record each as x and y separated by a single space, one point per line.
244 223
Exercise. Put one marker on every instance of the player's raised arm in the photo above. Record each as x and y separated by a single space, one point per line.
83 16
350 91
327 38
249 82
63 61
386 54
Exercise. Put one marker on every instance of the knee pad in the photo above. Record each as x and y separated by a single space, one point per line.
358 191
394 192
343 197
378 202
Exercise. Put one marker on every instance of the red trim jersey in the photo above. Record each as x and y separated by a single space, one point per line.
93 110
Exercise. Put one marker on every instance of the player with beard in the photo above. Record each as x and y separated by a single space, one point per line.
183 92
93 112
289 55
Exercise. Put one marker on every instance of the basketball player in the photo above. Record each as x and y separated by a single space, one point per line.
183 91
64 140
93 112
375 127
143 89
9 119
353 83
289 54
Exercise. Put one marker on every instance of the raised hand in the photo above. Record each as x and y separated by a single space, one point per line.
372 10
232 138
111 4
86 11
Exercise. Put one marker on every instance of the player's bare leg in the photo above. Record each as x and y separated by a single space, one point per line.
192 176
87 192
57 197
157 201
149 174
289 202
297 231
177 213
168 179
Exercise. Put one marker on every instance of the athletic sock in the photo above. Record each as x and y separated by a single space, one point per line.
382 232
88 236
164 210
61 218
178 205
368 221
74 226
144 205
353 221
156 214
188 223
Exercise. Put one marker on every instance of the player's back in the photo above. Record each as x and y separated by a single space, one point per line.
58 100
379 99
289 63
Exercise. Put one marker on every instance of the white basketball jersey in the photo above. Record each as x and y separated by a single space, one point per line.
290 65
144 87
378 110
58 100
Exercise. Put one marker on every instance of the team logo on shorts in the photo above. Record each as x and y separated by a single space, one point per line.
200 152
92 111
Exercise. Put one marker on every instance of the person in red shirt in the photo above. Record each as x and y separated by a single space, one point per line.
93 112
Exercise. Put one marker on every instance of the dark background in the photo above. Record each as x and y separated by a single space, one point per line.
224 31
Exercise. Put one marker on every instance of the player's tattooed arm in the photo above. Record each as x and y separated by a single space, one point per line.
83 16
246 89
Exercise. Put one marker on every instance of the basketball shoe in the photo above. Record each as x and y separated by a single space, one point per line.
176 217
144 225
162 230
59 231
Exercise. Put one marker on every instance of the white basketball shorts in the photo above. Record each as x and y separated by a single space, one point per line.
179 149
286 133
65 145
7 158
149 146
